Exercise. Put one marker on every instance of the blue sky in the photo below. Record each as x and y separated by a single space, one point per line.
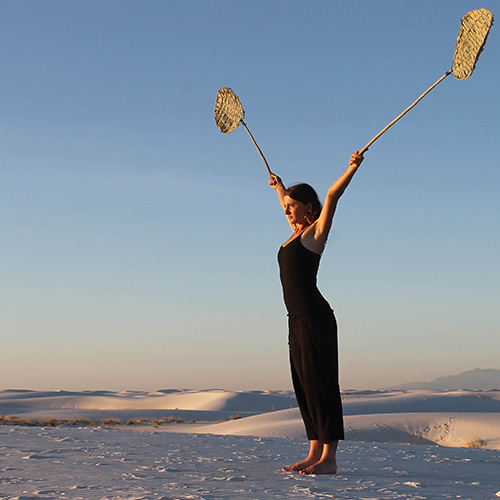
139 243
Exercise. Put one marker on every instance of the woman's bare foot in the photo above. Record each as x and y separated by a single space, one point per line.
321 467
315 453
299 466
327 464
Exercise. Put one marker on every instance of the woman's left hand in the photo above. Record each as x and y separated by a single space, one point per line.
356 159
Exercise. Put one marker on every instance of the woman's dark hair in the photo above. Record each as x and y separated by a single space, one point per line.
306 194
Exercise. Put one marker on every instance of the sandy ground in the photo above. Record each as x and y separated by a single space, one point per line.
400 455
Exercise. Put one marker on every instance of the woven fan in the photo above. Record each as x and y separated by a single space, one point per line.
229 114
474 29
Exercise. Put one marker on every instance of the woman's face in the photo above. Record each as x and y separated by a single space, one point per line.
295 211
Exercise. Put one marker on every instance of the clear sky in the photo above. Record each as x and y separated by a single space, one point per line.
139 243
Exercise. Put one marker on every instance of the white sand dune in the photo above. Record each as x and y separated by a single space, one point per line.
355 402
446 418
416 401
188 405
242 459
470 430
206 400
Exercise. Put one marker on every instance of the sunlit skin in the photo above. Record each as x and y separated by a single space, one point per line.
295 211
315 235
322 457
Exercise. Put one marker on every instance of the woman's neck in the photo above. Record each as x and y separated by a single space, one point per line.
300 228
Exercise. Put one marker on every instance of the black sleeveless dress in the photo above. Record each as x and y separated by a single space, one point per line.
313 343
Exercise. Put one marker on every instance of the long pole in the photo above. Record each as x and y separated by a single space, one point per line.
404 112
257 146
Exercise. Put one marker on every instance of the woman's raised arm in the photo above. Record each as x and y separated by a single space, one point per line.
323 224
276 183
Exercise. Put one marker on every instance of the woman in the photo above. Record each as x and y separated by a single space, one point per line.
312 325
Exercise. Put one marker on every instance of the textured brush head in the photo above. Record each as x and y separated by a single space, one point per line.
474 29
228 111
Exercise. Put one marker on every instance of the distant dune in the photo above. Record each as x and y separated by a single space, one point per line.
476 380
460 418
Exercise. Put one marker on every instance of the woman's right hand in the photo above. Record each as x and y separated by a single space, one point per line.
275 181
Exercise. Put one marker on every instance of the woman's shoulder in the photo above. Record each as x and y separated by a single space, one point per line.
311 241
